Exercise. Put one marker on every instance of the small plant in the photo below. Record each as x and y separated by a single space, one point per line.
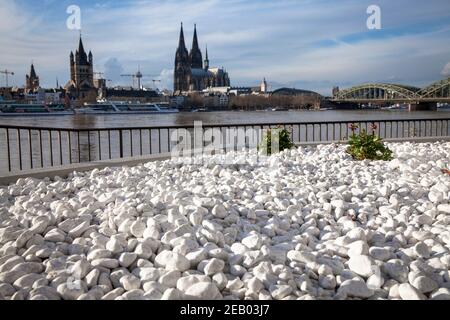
282 138
367 146
446 170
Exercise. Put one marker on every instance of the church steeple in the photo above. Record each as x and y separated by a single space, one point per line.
32 80
80 46
196 55
181 43
81 53
206 64
195 40
182 70
32 71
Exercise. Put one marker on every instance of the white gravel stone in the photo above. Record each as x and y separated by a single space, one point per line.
425 284
204 291
358 248
71 291
279 292
408 292
355 288
361 265
421 250
126 259
253 242
172 261
219 211
213 266
444 208
310 223
378 253
137 229
130 282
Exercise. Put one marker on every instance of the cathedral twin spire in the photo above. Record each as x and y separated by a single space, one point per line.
195 58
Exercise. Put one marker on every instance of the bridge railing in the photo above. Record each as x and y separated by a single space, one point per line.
27 148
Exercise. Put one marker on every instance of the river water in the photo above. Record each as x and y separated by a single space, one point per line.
56 149
225 118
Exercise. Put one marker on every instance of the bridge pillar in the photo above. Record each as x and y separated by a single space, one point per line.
423 106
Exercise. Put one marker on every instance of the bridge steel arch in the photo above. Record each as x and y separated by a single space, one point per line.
438 90
378 92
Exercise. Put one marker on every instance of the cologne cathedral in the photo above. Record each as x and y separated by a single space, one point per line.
192 73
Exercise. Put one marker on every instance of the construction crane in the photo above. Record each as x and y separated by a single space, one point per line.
155 81
101 74
6 73
138 75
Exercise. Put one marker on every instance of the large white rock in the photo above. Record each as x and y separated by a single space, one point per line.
408 292
214 266
361 265
130 282
358 248
72 291
279 292
172 261
219 211
444 208
425 284
204 291
379 253
137 229
253 242
127 258
355 288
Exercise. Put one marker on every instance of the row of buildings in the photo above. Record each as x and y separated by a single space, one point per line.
193 75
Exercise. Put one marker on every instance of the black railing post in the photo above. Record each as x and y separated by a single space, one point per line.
109 144
31 148
89 145
60 147
8 149
41 150
121 143
51 147
69 136
99 145
79 146
20 149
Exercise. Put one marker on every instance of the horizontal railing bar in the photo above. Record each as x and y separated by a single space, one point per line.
217 125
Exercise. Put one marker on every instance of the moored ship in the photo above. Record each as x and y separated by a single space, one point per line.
125 108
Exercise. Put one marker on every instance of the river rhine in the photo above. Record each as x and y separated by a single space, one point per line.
225 118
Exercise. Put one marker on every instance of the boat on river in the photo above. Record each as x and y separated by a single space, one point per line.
105 108
11 108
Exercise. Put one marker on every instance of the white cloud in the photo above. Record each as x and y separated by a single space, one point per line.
252 39
446 71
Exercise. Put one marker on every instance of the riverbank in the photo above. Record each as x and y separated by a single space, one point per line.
310 223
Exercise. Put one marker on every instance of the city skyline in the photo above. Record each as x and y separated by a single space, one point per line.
316 46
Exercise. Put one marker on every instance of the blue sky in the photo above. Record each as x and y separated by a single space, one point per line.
310 44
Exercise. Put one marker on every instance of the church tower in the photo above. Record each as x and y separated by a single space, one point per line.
182 72
264 87
81 84
82 67
206 64
32 80
195 56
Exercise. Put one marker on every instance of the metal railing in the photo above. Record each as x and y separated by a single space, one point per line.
24 147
